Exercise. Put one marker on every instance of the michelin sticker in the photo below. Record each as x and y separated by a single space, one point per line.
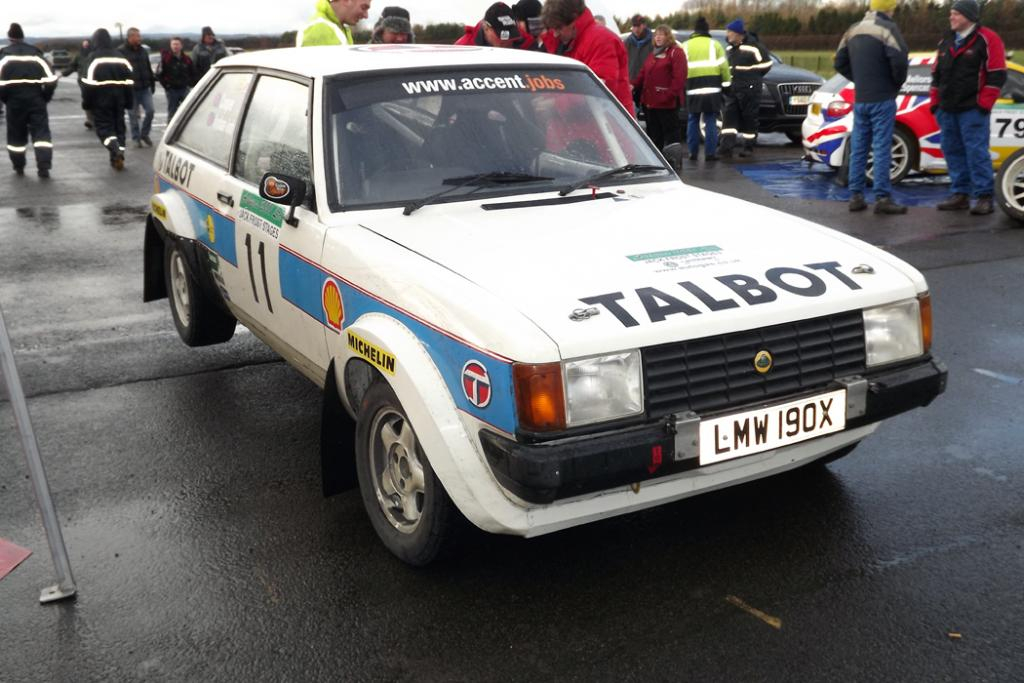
265 216
377 356
683 259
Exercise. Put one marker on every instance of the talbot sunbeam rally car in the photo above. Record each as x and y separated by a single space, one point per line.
517 312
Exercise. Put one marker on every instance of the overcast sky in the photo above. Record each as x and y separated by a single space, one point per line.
82 17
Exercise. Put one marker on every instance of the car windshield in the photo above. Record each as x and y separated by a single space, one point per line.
397 139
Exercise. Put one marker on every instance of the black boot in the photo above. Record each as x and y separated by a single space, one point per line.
857 202
983 206
887 206
957 202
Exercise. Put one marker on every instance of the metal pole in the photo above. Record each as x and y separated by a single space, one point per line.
65 586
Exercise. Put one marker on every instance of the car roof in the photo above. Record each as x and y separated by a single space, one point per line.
336 59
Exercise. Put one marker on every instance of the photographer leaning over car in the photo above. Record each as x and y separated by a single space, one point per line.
967 76
874 56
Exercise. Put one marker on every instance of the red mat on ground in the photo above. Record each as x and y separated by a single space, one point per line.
11 556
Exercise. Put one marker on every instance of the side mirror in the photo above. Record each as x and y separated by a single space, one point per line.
286 190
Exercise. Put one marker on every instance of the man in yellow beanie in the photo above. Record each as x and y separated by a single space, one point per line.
873 55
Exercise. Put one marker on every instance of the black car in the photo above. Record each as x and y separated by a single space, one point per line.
785 95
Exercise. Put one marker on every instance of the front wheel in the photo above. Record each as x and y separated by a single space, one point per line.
1010 186
795 137
406 502
200 322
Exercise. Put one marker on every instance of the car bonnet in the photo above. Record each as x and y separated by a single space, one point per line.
636 269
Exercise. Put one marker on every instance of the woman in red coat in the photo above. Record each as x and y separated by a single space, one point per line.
662 84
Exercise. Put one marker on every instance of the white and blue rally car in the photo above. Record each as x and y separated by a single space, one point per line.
517 312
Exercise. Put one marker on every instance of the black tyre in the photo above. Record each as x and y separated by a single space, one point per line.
795 137
1010 186
200 321
407 504
903 149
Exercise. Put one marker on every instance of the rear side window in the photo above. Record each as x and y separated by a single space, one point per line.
211 127
275 135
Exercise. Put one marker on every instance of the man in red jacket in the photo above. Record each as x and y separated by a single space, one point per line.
967 75
574 33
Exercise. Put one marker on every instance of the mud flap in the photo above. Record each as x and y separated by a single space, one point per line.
337 442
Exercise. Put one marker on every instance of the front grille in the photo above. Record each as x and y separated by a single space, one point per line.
715 373
787 89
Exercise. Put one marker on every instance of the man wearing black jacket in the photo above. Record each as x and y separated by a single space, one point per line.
177 74
748 62
968 74
873 55
145 86
26 86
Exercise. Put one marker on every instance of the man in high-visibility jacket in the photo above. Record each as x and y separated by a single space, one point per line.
708 75
332 22
26 87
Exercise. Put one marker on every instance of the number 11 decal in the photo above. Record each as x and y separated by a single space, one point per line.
263 271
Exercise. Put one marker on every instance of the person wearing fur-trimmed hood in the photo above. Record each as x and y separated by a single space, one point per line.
394 26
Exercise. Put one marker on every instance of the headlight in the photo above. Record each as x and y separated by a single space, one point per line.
603 388
553 396
897 331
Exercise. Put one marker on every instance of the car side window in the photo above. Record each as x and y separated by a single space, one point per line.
211 127
275 133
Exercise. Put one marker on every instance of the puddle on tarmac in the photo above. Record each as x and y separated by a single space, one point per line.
91 217
793 179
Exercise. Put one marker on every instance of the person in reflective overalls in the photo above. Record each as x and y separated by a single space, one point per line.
26 86
108 92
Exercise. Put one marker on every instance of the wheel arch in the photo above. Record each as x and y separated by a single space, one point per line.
417 381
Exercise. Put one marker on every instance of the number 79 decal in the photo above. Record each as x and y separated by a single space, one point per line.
263 271
1018 127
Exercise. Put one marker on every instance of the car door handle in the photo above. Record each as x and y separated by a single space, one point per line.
225 198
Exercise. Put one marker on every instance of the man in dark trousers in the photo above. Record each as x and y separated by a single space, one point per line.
145 86
748 62
966 79
26 86
639 45
873 55
177 74
109 90
79 65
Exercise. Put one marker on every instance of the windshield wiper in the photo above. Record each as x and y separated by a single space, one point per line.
628 168
481 180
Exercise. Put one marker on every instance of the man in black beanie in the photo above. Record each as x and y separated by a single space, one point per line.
393 26
968 74
26 86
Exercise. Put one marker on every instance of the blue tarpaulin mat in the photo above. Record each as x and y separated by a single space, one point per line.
797 180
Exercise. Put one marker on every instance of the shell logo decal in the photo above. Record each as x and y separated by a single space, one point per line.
334 310
275 188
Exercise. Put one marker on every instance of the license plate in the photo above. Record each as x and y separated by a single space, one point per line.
764 429
799 100
816 108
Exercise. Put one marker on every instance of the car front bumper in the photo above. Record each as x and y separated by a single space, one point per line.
548 472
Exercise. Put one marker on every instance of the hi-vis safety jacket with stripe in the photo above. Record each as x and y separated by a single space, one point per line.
749 61
708 72
107 80
24 74
324 29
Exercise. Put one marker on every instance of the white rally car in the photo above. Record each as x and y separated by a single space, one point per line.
516 310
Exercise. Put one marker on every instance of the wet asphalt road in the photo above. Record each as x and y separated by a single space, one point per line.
188 486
